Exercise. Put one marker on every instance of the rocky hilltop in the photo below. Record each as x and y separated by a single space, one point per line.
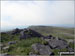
46 45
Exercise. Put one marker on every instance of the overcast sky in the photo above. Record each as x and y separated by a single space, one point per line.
21 13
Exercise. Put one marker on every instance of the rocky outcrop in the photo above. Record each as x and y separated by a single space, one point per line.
27 33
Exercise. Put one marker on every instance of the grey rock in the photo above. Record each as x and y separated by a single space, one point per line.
57 44
41 49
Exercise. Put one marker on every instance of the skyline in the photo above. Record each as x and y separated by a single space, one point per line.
24 13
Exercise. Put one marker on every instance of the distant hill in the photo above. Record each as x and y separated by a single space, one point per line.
56 31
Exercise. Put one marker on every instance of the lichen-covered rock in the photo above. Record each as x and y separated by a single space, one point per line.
41 49
57 44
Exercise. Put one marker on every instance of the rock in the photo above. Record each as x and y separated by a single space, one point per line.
41 49
11 42
57 44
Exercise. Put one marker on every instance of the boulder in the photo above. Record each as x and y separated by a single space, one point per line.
40 49
57 44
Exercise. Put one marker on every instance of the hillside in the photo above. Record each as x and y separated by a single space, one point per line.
37 40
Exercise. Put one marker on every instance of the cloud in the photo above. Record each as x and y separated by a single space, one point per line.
20 13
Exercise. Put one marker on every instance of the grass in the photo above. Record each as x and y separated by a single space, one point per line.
23 46
8 37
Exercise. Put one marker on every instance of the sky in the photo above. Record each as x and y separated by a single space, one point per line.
24 13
